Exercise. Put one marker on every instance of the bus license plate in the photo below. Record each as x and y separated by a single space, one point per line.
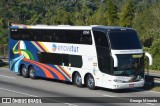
131 85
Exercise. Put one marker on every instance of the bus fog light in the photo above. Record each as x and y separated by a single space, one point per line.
116 86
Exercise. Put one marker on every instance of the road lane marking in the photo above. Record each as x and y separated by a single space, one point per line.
108 95
36 96
146 90
4 76
150 104
154 92
18 92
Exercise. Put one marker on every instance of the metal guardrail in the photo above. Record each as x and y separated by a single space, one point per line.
3 51
150 78
154 75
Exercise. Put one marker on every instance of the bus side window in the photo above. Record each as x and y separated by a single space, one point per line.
60 35
78 37
60 59
75 61
85 39
72 36
50 58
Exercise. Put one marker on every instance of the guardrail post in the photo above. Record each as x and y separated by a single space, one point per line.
4 51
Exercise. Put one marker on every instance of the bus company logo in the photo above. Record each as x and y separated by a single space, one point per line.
54 47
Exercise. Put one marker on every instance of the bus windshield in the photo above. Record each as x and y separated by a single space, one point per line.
121 40
129 64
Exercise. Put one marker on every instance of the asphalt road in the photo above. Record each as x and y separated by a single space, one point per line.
12 85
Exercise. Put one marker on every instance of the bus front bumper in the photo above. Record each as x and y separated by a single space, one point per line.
127 85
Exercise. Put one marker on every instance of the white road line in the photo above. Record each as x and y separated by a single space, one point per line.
36 96
154 92
150 104
4 76
18 92
146 91
109 95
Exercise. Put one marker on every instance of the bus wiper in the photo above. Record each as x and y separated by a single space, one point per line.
126 67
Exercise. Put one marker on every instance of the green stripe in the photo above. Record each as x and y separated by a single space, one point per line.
29 53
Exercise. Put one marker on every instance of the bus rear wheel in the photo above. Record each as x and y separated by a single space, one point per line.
32 73
90 82
78 80
24 71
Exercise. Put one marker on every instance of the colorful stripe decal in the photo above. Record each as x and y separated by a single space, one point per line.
43 46
34 43
40 46
58 74
47 73
28 53
63 71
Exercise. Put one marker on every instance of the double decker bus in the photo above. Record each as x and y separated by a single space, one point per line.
95 56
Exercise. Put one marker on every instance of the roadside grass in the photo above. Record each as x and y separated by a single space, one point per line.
156 88
154 71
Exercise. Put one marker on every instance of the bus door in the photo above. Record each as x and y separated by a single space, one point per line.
103 53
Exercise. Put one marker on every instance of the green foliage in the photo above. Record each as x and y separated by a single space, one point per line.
98 18
147 23
112 13
142 15
155 51
127 15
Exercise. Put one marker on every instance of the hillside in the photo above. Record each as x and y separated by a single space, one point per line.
142 15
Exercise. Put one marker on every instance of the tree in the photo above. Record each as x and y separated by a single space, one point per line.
127 14
155 50
112 13
99 16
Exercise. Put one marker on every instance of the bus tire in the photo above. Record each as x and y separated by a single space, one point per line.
24 71
90 82
78 80
32 73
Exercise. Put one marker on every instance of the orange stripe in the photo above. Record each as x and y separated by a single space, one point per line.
59 75
47 73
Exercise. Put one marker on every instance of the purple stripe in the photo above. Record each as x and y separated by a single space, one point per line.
63 71
24 26
40 46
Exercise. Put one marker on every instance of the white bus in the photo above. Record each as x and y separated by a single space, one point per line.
95 56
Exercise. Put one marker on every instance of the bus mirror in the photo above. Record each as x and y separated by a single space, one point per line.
115 60
149 57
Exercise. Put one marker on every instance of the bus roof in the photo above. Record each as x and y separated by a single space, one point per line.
17 26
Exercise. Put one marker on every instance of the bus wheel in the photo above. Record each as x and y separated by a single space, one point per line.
24 71
90 82
32 73
78 80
